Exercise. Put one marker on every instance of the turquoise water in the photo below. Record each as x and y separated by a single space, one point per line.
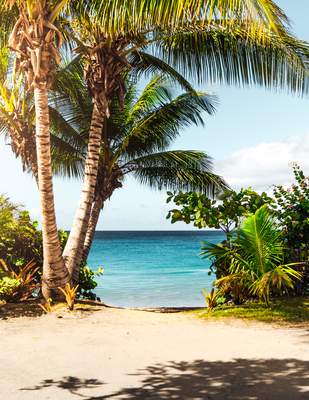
152 269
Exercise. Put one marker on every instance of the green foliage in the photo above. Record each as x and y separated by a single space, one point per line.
8 286
20 239
290 208
213 298
293 216
87 282
255 258
18 283
225 213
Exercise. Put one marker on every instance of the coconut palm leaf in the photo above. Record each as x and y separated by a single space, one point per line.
260 240
156 92
176 170
156 130
148 65
69 80
232 56
117 17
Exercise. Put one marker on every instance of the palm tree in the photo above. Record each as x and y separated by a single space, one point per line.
17 118
36 40
241 41
148 122
136 138
112 37
255 259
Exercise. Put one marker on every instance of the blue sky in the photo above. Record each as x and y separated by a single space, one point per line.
253 138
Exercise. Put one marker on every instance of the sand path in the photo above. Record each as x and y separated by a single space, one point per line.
121 354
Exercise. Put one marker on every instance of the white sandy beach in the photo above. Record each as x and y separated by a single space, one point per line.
122 354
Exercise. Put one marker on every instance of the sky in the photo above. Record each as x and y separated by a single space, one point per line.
253 139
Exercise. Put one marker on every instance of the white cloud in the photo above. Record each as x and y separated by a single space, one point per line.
266 164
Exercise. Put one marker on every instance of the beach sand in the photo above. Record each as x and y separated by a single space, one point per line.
124 354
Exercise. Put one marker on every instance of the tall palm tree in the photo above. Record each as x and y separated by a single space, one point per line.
136 138
36 40
110 34
118 31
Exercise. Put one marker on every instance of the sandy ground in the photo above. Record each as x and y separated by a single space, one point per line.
121 354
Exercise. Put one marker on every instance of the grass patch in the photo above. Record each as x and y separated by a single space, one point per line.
283 311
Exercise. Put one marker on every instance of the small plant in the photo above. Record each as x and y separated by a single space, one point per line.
87 282
8 287
47 307
70 295
211 298
20 281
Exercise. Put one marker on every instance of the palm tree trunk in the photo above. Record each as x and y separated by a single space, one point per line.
73 251
93 221
54 272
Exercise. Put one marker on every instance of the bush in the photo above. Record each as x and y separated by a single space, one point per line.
87 282
292 211
290 207
8 286
20 239
255 258
21 244
17 285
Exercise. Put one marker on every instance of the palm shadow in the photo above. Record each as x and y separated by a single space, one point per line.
240 379
71 384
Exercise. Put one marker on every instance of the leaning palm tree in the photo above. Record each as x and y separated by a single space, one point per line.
136 141
241 42
109 34
149 122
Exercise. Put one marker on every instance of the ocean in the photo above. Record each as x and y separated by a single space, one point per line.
152 268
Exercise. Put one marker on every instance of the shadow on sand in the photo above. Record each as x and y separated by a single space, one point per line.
240 379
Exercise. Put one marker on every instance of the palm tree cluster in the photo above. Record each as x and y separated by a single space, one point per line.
70 104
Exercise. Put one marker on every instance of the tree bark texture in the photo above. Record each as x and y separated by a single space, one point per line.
73 252
55 273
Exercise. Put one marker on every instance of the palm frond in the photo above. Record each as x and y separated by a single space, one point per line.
119 17
69 79
260 241
156 93
65 131
156 130
232 56
176 170
147 64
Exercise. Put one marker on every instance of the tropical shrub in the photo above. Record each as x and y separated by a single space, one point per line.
8 287
69 295
255 259
212 298
87 282
21 250
292 211
225 212
17 283
20 239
